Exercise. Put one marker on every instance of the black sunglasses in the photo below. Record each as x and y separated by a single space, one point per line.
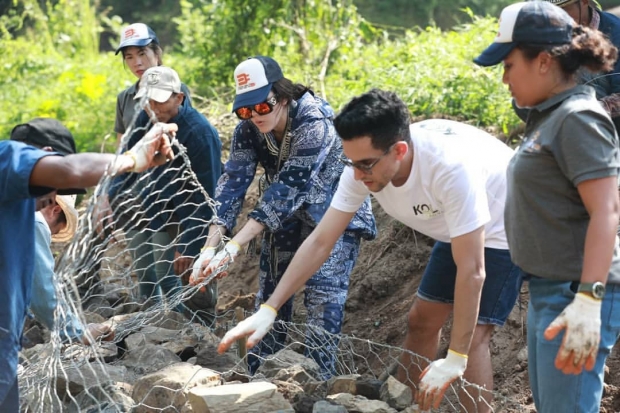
263 108
363 165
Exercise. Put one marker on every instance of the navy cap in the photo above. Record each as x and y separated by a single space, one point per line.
253 80
137 34
534 22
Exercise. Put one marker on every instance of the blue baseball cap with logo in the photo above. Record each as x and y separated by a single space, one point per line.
253 80
137 34
534 22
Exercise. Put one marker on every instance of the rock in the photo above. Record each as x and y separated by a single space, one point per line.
108 398
168 387
148 359
287 389
174 340
396 394
76 378
294 373
285 359
234 398
323 406
304 402
343 384
369 388
360 404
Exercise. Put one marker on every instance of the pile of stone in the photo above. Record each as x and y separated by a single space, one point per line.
171 365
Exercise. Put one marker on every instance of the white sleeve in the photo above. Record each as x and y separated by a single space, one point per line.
462 191
350 193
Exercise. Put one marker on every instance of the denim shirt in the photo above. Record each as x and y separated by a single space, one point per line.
303 186
44 302
17 208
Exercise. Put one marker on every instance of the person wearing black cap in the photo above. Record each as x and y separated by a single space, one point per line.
290 132
562 203
28 172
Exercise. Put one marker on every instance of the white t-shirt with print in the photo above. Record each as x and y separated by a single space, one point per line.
457 184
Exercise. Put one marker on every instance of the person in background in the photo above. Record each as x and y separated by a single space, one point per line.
446 180
141 50
588 13
29 173
177 212
562 203
290 132
57 222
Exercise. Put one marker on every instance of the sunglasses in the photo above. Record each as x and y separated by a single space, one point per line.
365 165
263 108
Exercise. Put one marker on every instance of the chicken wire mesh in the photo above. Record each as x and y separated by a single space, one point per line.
160 346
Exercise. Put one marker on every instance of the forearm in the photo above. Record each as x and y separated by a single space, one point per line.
215 235
76 171
467 292
599 246
249 231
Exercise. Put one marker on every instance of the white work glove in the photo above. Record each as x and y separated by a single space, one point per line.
200 265
152 150
436 378
258 324
582 321
222 258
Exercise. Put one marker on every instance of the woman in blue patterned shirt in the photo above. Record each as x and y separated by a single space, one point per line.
288 131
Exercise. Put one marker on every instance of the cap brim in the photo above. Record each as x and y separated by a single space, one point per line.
494 54
71 191
158 95
71 215
251 98
134 42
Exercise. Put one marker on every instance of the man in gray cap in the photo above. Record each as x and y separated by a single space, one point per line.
28 173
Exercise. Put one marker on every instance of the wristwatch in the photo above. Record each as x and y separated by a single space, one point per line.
597 289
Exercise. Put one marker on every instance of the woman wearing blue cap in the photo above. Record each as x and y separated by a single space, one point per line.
141 50
289 131
562 204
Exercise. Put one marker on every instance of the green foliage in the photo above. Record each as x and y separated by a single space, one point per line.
325 44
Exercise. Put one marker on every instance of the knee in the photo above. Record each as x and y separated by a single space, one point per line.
421 322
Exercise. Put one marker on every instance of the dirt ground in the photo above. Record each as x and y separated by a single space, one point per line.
382 288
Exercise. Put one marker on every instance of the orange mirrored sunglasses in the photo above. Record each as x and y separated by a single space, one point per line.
263 108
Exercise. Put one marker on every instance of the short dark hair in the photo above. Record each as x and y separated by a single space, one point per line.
378 114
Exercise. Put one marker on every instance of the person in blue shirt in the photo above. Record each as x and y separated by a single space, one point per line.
57 222
178 211
28 173
288 131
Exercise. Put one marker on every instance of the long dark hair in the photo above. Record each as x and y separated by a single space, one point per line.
285 89
589 48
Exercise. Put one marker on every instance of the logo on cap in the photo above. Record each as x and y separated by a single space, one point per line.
153 78
243 81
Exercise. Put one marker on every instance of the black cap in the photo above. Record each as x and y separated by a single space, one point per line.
42 132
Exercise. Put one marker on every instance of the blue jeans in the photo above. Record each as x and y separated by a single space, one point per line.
554 391
153 255
499 292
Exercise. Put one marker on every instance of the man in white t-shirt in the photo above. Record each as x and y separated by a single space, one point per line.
446 180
